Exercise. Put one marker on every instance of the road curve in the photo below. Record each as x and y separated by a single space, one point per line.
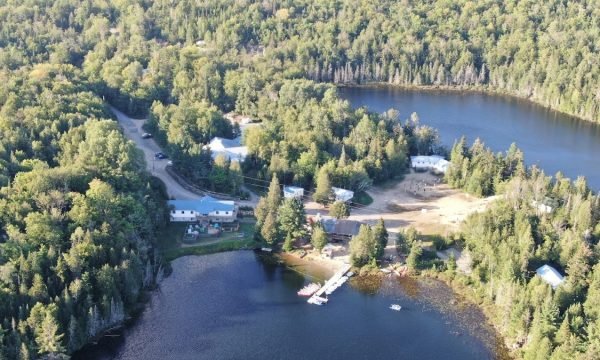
133 131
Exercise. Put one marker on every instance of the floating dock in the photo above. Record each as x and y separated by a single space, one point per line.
337 280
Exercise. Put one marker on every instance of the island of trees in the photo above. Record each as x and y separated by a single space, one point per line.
78 212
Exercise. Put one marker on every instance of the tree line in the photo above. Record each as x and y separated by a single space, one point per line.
537 220
77 215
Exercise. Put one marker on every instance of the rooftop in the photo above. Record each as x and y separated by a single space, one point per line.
550 275
341 226
203 205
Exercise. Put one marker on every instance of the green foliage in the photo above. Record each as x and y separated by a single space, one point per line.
292 218
366 246
323 192
78 215
339 210
318 238
413 260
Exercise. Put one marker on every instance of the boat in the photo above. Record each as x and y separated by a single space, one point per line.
395 307
266 249
317 300
309 289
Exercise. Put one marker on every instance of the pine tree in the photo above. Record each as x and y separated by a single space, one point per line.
381 236
319 237
48 337
274 195
268 230
322 192
292 218
412 261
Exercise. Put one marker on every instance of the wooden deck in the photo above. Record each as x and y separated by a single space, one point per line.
331 283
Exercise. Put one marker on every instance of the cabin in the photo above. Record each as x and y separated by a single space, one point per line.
293 192
204 209
231 149
550 275
340 229
342 194
434 163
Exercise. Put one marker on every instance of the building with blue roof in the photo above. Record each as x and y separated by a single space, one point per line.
206 208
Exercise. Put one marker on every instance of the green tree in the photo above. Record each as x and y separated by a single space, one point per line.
48 338
339 210
319 237
323 192
413 258
380 236
269 231
363 247
292 218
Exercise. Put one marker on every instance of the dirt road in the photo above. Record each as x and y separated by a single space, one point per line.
133 130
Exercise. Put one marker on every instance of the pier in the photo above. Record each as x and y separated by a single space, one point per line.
329 287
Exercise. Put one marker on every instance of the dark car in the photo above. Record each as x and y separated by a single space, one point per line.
146 136
160 156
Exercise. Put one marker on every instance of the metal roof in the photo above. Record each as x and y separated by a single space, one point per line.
203 205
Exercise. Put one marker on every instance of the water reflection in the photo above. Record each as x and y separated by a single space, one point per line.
554 141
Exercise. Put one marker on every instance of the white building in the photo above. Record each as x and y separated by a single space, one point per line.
542 207
206 208
550 275
342 194
232 149
432 162
293 192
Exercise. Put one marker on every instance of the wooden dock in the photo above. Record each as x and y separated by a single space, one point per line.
317 298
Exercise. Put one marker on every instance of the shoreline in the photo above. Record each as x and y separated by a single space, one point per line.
482 89
292 260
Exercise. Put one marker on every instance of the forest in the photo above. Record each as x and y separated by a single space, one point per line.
538 220
78 212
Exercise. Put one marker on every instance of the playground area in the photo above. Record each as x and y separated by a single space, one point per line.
203 230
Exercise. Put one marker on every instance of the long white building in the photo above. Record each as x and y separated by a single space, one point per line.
431 162
204 209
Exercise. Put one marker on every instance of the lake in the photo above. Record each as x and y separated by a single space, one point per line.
551 140
242 305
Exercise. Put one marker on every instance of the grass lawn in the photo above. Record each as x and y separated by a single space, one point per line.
169 241
362 198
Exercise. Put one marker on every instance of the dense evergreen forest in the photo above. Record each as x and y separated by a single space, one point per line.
78 211
538 220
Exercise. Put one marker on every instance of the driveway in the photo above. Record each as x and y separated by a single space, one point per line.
133 130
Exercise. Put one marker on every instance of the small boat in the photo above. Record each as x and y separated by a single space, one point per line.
395 307
309 289
317 300
266 249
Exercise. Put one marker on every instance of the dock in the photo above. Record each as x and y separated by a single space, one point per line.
330 285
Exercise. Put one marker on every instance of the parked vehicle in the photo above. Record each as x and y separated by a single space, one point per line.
160 156
146 136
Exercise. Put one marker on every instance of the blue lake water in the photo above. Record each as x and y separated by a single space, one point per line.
241 305
551 140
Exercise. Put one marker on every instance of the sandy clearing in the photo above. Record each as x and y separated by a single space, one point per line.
421 201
